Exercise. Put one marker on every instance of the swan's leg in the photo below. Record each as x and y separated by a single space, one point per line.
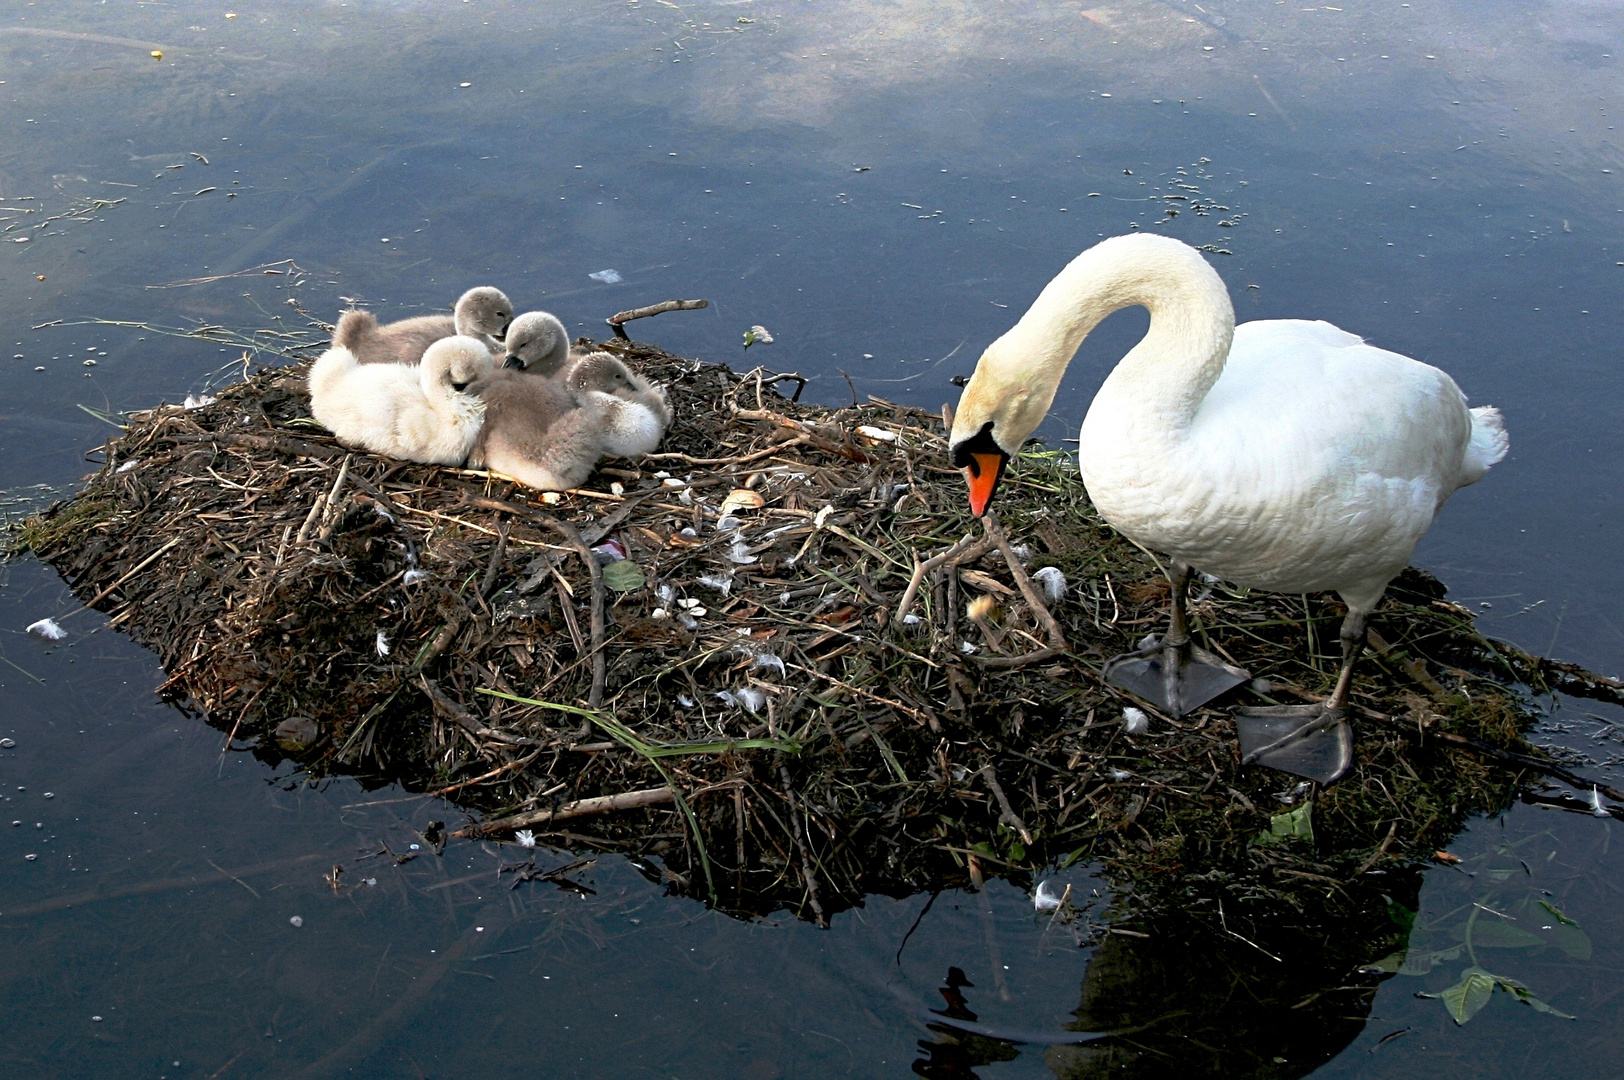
1172 674
1315 741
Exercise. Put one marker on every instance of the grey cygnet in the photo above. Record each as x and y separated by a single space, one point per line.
551 433
483 313
538 343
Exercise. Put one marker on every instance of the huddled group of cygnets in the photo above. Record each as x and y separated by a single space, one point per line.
484 389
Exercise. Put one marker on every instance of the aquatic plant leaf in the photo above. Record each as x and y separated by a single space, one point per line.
624 576
1526 996
1465 998
1494 934
1403 917
1570 939
1561 918
1295 824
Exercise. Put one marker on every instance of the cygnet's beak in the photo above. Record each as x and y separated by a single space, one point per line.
501 335
513 362
982 475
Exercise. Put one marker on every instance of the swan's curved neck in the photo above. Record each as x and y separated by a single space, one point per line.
1162 380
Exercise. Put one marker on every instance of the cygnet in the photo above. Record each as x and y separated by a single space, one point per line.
537 343
636 412
550 433
483 313
424 413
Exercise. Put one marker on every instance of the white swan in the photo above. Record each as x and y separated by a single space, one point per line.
483 313
421 413
538 343
550 433
1283 454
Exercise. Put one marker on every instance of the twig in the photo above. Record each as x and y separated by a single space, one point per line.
1057 638
291 447
807 874
495 567
1008 815
959 551
599 668
620 317
601 804
127 575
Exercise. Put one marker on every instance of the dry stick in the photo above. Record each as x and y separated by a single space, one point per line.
495 567
800 845
1008 816
318 509
620 317
1057 639
291 447
329 513
628 800
966 549
127 575
573 539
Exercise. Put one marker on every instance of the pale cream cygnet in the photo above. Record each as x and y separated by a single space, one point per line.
483 314
425 412
550 433
537 343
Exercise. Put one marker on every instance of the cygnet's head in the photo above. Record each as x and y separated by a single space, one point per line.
485 310
453 363
602 372
538 343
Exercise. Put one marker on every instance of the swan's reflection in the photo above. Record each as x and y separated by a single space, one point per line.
1204 995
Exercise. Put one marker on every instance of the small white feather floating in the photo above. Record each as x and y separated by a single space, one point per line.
1134 721
49 629
1044 898
382 644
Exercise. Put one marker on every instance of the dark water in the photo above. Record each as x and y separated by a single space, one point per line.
884 187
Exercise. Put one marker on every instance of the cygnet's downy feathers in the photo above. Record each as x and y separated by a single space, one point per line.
483 314
635 412
551 433
538 343
421 413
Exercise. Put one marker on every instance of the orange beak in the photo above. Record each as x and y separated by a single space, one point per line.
983 474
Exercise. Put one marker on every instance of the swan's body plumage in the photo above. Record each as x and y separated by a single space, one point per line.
1284 454
550 433
419 413
483 313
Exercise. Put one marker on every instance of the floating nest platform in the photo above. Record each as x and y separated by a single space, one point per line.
742 705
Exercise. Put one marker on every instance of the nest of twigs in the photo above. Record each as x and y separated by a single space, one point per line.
741 704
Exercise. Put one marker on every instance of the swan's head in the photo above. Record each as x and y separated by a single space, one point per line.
451 364
537 342
997 411
604 373
485 310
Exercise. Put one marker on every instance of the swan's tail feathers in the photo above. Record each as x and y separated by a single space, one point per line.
1489 443
353 325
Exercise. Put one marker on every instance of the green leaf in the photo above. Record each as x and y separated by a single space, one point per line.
1570 939
1295 824
1526 996
1403 917
624 576
1494 934
1017 851
1561 918
1465 998
1072 858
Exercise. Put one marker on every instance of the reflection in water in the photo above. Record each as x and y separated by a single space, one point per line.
1206 995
